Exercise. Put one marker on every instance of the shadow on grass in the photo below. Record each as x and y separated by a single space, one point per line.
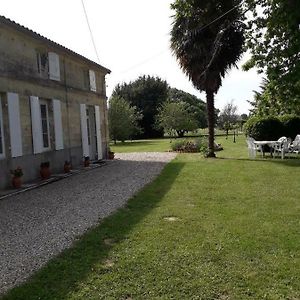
64 273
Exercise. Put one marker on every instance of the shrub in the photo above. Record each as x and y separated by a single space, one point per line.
185 146
291 125
197 145
177 145
266 128
18 172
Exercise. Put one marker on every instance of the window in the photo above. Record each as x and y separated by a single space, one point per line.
45 125
2 154
42 63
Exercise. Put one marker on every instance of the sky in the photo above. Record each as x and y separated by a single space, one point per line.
132 39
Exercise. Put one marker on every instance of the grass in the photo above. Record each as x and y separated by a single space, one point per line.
162 145
155 145
225 228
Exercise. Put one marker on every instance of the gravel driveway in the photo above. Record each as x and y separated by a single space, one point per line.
39 224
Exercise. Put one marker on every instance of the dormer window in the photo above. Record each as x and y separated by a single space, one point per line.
92 81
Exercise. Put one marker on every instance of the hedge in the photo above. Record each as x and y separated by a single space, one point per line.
291 125
266 128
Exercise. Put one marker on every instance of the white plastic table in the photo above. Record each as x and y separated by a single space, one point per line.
270 144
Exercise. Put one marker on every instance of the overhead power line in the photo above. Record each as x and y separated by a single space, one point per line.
91 33
196 30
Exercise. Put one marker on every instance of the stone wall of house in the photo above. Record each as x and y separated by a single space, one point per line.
19 73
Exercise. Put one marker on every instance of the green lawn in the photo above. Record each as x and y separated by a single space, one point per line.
161 145
225 228
238 149
155 145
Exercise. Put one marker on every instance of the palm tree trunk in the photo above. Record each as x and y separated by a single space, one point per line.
211 122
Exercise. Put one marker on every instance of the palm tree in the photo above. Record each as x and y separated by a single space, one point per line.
207 38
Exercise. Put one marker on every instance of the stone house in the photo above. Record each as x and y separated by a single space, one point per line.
52 104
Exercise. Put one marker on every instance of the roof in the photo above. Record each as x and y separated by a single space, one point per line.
35 35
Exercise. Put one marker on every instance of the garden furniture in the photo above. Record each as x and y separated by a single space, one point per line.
295 145
252 148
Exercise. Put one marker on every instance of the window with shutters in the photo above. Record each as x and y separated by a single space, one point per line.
1 133
45 125
42 63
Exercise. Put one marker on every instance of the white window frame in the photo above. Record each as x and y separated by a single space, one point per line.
45 102
2 155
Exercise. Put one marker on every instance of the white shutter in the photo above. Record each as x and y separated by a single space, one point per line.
58 131
54 70
36 125
98 132
92 81
14 124
84 132
1 132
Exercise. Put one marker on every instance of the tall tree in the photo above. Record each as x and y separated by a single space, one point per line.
176 116
207 38
122 119
146 93
267 101
273 36
228 116
196 106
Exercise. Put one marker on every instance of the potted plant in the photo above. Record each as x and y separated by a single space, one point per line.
16 179
67 166
86 161
45 170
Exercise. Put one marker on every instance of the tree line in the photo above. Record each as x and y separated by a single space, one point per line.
147 107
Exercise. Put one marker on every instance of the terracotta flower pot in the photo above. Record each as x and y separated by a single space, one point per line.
111 155
16 182
67 168
45 173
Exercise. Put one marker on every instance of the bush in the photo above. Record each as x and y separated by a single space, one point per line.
177 145
185 146
266 128
291 125
197 145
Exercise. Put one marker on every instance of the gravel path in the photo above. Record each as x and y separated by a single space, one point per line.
39 224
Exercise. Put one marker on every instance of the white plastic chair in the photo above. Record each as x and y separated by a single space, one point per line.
252 148
282 146
295 145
